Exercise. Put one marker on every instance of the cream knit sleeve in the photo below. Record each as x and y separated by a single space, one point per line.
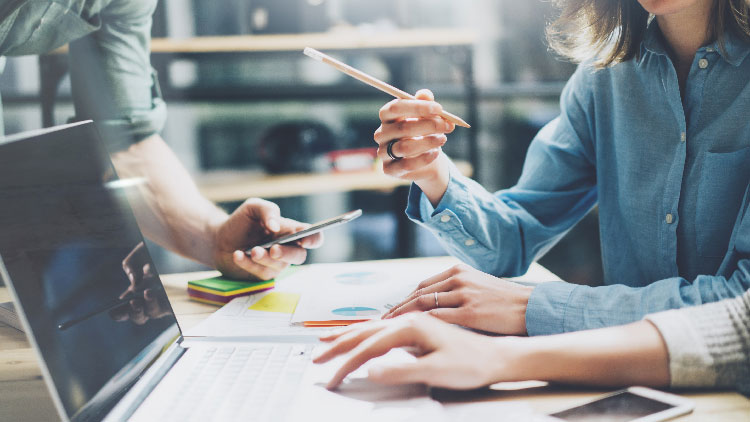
709 345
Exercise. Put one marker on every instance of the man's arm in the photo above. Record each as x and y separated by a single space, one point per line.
171 211
113 84
168 206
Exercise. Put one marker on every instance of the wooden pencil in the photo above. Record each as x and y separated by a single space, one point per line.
375 83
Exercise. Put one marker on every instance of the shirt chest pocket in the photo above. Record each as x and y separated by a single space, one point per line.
724 179
42 26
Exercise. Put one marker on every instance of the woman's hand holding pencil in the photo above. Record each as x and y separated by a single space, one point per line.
412 132
409 140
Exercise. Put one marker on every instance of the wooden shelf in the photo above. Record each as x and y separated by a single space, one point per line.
232 186
332 40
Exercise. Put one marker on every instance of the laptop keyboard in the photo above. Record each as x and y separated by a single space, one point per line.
248 383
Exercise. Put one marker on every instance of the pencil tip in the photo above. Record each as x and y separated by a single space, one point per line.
313 53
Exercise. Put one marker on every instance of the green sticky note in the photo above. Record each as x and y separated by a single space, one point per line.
224 284
281 302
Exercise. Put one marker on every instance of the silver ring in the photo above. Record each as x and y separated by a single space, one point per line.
437 305
389 150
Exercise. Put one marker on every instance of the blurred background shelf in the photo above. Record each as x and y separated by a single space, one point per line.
173 57
344 39
232 72
232 186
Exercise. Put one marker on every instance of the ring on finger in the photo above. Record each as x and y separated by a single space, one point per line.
437 305
389 150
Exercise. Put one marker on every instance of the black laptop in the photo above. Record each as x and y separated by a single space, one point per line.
95 310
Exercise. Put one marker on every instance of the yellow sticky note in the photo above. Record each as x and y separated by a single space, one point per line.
277 302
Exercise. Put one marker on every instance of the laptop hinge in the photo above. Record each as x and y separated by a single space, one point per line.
148 382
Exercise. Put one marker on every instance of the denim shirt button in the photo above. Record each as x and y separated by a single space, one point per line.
703 63
669 218
445 218
470 242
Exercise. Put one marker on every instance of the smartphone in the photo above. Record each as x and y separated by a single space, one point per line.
315 228
634 404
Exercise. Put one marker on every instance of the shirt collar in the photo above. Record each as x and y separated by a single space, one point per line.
653 41
735 48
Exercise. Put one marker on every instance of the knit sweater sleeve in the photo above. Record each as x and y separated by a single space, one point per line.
709 345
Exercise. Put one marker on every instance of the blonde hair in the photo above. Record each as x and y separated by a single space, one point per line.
610 31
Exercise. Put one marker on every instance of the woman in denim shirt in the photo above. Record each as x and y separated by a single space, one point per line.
654 130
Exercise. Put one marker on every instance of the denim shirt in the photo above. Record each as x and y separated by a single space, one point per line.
109 49
670 180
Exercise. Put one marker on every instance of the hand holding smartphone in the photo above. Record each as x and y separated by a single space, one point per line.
315 228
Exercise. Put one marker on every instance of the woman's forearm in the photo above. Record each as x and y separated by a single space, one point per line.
436 184
633 354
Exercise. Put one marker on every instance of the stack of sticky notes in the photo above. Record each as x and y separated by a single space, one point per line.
220 290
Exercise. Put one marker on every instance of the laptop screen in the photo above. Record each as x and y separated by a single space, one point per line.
75 258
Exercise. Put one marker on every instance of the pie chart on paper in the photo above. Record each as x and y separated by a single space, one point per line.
356 311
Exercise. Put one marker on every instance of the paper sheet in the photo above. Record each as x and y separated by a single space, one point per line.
326 287
359 290
238 319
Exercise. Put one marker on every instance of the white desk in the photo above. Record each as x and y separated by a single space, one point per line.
24 397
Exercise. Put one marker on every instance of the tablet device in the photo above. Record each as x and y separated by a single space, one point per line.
634 404
315 228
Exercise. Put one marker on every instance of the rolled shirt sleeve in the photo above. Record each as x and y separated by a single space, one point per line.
112 78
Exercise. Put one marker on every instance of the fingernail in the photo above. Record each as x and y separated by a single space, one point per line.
275 253
273 225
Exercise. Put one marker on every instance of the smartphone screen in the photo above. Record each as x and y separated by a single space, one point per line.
315 228
620 407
